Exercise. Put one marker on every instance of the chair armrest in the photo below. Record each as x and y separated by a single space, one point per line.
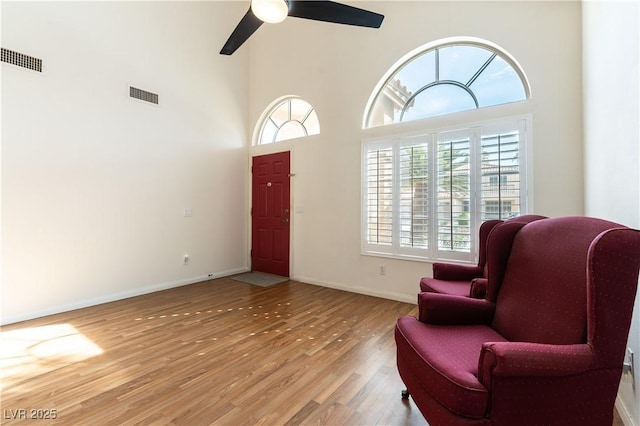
453 272
522 359
478 288
436 308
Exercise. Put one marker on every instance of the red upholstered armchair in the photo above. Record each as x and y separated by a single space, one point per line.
467 280
547 344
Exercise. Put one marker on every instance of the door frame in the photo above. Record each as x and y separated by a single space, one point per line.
256 151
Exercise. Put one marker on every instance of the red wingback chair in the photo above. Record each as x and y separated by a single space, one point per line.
467 280
546 345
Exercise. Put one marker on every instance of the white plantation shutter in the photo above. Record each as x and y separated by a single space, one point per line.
379 211
414 196
454 195
500 176
425 196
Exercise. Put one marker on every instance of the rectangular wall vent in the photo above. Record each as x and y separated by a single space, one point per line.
21 60
143 95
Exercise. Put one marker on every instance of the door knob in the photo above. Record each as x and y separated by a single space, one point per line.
284 220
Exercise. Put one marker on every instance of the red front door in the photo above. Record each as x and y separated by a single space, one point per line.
270 213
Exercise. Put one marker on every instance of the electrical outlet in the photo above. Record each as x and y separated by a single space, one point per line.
186 260
383 270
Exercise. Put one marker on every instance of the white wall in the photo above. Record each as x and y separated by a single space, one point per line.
612 137
93 182
335 68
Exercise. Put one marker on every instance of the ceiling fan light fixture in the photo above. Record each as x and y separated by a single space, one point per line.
270 11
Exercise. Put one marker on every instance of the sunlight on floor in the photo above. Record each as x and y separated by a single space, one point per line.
31 351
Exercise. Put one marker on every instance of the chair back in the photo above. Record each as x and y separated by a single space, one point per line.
542 296
483 236
485 229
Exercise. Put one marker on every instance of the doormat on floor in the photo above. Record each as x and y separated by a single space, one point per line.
259 278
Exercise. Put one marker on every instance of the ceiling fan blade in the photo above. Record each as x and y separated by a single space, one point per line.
247 26
338 13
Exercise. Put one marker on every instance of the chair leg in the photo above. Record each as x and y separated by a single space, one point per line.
405 394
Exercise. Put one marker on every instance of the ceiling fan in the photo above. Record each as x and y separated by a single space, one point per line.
274 11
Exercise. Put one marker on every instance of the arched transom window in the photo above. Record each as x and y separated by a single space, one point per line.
288 118
448 78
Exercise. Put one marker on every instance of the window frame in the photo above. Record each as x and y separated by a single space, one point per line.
476 131
432 46
265 119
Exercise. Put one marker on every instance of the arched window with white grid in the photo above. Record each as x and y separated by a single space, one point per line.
288 118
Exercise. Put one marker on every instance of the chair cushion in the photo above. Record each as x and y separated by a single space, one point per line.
456 288
445 361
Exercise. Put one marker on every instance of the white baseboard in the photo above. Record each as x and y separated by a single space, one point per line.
624 414
119 296
360 290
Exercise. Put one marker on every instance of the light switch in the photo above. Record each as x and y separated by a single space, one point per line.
188 212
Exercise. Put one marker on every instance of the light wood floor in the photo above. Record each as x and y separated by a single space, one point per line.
217 352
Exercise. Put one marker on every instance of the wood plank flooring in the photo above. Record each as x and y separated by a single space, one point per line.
218 352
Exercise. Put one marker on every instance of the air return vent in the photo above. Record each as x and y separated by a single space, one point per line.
143 95
21 60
